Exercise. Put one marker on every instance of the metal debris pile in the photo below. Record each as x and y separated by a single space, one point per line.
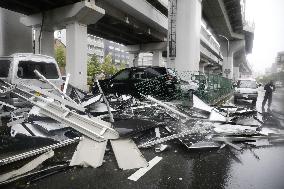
72 128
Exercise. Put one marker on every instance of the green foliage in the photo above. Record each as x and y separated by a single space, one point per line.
60 56
94 68
107 67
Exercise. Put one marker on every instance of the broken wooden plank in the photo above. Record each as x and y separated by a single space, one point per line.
89 153
138 174
127 154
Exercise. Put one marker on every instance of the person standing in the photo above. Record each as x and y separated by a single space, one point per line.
269 88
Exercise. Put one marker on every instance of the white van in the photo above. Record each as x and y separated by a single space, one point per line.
19 68
246 89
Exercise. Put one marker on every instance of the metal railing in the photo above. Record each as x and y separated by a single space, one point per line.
208 87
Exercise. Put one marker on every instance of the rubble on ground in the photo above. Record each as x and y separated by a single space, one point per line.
58 120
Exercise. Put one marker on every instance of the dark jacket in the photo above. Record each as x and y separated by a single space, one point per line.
269 88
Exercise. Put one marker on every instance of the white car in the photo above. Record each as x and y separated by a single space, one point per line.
246 89
19 69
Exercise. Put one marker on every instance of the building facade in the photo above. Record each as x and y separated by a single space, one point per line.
117 52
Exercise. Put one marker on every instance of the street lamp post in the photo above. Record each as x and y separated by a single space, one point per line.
228 48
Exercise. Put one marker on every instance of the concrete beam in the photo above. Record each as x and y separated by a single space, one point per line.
161 46
143 11
83 12
119 11
217 16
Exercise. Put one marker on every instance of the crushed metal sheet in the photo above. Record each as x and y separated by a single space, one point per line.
217 116
160 148
30 129
89 153
97 130
91 101
139 173
173 110
234 129
199 104
28 167
37 151
101 107
232 145
71 104
127 154
204 145
8 105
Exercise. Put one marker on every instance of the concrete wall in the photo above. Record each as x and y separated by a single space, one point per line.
14 36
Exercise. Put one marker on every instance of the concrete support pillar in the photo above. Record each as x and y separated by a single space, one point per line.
14 36
228 53
158 58
133 60
76 54
188 25
236 73
228 65
44 42
201 68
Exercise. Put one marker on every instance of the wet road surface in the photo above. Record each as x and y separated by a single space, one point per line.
257 168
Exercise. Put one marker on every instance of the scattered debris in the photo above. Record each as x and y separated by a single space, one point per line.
127 154
89 153
74 116
138 174
28 167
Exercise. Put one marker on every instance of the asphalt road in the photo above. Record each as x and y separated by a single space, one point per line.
227 168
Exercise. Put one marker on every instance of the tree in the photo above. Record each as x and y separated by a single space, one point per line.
60 56
108 67
94 68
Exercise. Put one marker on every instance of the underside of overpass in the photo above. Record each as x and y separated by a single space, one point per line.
125 22
116 25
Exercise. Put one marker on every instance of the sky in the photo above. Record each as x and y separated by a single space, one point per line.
268 16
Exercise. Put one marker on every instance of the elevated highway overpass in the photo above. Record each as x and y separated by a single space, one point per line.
142 25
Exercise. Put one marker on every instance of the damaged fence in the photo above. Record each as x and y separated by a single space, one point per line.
181 85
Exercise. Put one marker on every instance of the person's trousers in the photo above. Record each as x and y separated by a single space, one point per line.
269 98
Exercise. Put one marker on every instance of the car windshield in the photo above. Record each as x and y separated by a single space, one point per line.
123 75
26 70
4 68
247 84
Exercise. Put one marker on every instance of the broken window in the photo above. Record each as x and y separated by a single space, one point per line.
4 68
26 70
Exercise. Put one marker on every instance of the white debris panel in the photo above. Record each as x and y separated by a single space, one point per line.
127 154
89 153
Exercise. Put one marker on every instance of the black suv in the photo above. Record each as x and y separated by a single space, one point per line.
131 81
